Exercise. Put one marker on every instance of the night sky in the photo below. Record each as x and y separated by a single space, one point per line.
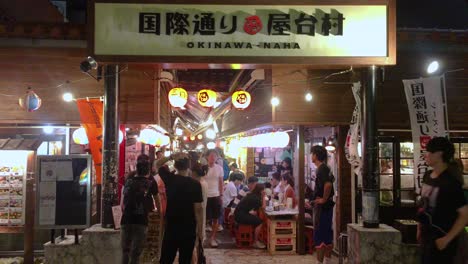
429 14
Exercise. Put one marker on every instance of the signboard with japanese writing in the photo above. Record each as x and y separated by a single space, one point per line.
428 114
242 33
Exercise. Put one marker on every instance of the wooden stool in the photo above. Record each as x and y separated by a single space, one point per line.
309 236
244 236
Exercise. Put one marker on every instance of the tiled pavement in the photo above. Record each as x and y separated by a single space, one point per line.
227 253
255 256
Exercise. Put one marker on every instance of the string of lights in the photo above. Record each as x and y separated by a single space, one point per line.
305 80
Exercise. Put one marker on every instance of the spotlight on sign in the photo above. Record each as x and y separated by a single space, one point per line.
433 67
89 64
178 97
206 98
275 101
241 99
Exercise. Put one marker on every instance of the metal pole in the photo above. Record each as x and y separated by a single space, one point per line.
110 152
301 183
370 196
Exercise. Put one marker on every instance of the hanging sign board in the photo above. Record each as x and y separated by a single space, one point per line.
63 191
282 32
427 105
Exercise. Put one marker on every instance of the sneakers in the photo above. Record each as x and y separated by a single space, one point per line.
209 229
220 228
259 245
213 243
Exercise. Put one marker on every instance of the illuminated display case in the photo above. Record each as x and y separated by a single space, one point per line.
13 171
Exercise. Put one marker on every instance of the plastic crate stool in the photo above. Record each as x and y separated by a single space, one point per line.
227 220
263 236
244 236
232 226
309 237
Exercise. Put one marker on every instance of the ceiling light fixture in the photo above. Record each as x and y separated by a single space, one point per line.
275 101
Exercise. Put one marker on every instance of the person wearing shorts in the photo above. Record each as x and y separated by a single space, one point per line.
214 179
246 212
323 205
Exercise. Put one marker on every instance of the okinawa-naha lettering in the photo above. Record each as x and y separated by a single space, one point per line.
242 45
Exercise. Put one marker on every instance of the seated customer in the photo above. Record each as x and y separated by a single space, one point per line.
247 211
276 184
287 182
230 191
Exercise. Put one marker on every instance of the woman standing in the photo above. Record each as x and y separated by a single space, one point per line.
442 213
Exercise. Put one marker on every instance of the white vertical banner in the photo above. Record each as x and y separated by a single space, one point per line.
428 115
352 139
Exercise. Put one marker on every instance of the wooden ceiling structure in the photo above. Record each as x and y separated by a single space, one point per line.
42 52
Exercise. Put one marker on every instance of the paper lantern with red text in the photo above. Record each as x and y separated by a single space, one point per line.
206 98
241 99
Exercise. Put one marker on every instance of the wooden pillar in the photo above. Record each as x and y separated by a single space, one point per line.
343 201
301 184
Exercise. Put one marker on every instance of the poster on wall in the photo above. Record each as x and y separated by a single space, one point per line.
63 191
427 106
47 198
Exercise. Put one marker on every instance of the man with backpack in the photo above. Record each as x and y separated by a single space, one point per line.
139 193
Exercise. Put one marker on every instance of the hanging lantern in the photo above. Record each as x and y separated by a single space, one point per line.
79 136
148 136
241 99
162 140
31 101
178 97
206 98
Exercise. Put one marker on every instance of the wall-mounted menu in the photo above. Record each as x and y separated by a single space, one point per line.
63 191
13 168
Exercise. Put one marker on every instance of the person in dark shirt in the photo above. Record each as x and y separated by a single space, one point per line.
442 210
138 195
323 205
184 212
246 212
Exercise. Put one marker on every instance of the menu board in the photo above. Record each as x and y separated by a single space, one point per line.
13 168
63 191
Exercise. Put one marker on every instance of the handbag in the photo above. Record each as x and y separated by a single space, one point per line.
201 259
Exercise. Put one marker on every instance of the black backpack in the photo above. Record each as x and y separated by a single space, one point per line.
137 199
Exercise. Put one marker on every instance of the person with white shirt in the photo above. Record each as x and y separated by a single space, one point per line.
231 190
214 179
276 184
